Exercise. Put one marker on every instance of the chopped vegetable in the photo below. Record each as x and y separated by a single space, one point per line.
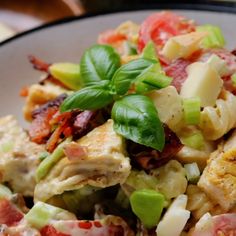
51 160
193 140
67 73
214 39
41 214
191 108
147 205
192 172
233 78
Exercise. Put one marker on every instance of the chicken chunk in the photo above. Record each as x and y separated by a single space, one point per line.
40 94
18 157
218 180
103 163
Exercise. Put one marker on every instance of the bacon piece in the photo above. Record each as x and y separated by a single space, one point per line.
40 128
9 214
39 64
177 70
148 158
74 151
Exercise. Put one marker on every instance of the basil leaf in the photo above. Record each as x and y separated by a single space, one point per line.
88 98
149 52
127 73
98 63
136 118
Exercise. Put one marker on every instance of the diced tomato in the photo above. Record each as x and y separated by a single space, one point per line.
111 37
161 26
220 225
9 214
177 70
49 230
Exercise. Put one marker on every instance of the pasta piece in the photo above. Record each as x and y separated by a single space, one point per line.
199 203
171 179
217 121
189 155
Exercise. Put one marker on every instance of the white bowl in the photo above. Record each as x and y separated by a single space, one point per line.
67 40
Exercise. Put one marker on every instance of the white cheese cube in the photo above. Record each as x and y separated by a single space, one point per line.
176 217
182 46
169 106
204 82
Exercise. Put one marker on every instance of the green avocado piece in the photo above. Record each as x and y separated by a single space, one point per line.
67 73
147 205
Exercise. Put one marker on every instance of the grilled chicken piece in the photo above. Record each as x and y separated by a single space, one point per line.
218 180
100 162
18 157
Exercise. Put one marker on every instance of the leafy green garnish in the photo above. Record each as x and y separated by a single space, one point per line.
136 118
127 73
88 98
99 62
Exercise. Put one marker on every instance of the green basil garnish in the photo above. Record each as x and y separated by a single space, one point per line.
136 118
149 52
88 98
99 62
127 73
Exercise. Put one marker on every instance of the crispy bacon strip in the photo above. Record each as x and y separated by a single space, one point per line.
40 128
148 158
39 64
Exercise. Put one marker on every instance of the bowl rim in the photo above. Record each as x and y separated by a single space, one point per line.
224 8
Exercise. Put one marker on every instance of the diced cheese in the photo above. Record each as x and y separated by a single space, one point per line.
169 106
176 217
183 46
204 82
218 64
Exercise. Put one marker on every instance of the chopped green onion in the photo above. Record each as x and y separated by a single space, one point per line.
194 140
214 39
192 172
158 80
43 155
233 78
152 78
50 160
149 52
5 192
41 214
191 108
147 205
67 73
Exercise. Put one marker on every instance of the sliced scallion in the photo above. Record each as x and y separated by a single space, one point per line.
194 140
192 172
214 39
191 108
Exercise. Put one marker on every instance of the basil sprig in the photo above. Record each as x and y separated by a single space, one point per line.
136 118
98 63
105 81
